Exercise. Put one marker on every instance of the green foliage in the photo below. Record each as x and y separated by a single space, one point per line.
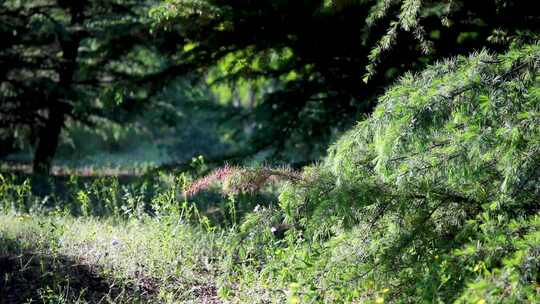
433 198
426 195
75 62
306 61
14 196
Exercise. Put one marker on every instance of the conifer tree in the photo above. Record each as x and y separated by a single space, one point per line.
75 60
320 54
446 168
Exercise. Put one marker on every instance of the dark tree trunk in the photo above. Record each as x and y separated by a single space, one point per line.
49 134
47 143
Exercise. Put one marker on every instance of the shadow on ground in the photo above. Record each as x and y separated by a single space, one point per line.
27 277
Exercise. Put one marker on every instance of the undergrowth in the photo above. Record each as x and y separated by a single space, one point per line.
432 199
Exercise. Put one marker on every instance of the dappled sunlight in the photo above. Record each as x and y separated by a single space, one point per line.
270 151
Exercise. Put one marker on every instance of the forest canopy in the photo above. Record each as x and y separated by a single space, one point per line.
326 61
299 73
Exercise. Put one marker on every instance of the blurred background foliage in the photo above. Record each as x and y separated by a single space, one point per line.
145 84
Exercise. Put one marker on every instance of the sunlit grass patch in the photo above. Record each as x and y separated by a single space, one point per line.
157 260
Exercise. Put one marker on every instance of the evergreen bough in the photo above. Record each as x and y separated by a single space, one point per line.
435 197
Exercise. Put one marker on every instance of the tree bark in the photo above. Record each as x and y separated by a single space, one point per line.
49 134
48 138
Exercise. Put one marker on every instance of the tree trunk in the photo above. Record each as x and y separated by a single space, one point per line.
47 143
49 134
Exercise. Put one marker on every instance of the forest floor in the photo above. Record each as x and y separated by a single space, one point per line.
61 259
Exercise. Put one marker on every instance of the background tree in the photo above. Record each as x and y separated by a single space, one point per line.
317 56
75 60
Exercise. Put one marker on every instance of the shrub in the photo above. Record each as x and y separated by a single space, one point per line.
435 196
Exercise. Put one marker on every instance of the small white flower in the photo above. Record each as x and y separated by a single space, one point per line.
273 229
257 208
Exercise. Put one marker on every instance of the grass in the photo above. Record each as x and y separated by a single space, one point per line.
439 209
117 261
108 240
